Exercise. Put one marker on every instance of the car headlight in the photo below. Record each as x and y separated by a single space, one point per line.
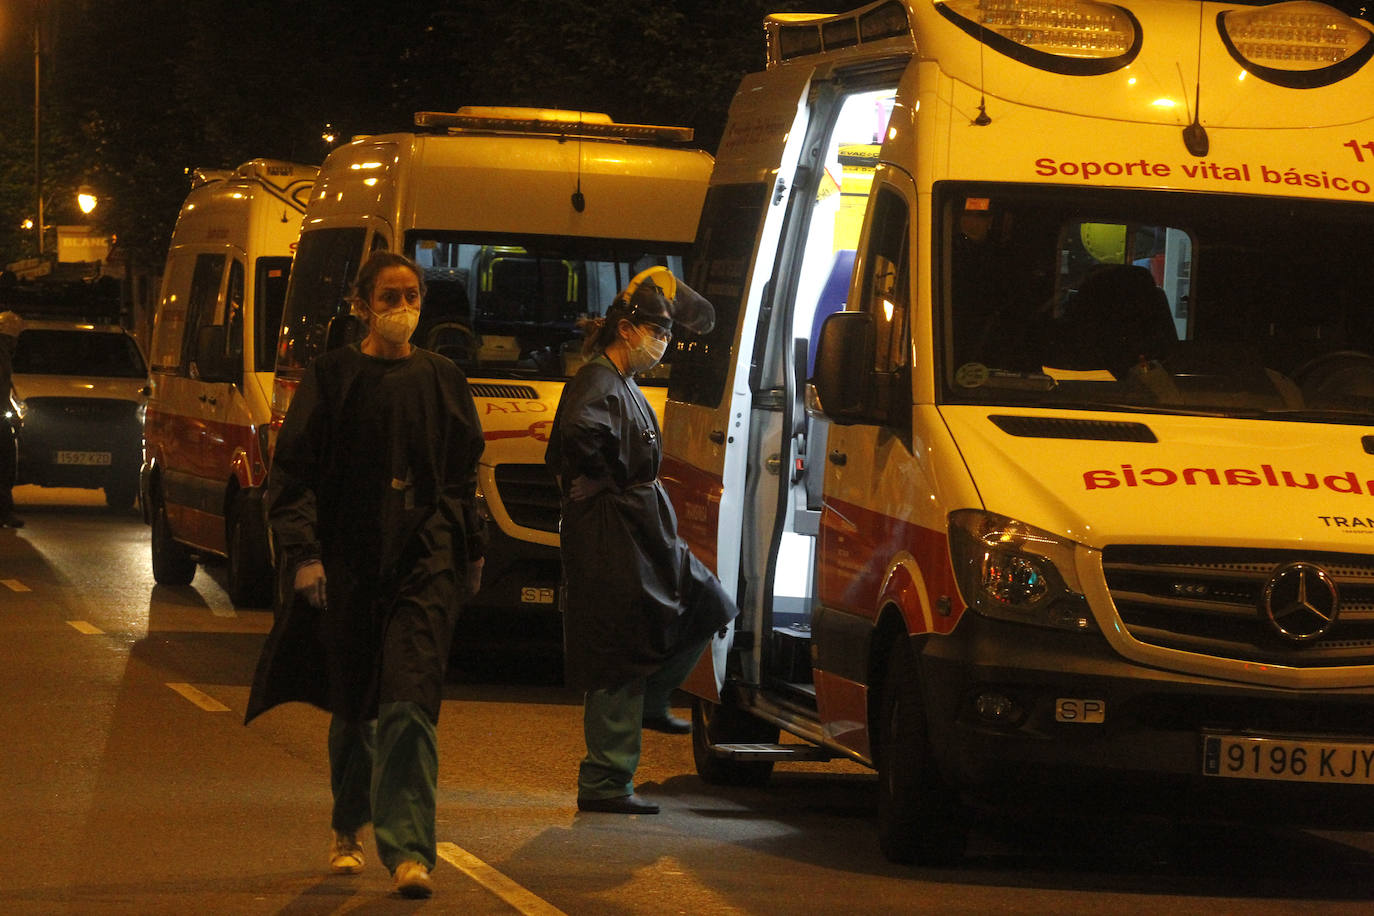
1008 570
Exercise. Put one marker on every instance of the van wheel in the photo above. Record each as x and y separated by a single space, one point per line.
172 562
717 723
250 570
920 820
121 494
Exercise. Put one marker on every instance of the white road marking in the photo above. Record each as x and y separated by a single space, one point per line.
199 697
82 626
15 585
523 900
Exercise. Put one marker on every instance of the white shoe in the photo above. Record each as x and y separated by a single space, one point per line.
346 854
412 880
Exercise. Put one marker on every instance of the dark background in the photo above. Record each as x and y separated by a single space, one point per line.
133 94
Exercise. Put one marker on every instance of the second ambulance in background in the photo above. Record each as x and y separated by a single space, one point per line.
523 220
210 372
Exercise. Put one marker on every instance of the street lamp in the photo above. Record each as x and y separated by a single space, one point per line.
86 199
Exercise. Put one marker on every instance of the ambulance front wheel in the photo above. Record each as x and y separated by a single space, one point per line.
920 819
717 723
173 563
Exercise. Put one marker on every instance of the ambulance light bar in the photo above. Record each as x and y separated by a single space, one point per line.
549 121
1300 45
792 35
1073 37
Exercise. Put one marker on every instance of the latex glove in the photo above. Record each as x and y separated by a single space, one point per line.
584 487
309 583
11 324
474 583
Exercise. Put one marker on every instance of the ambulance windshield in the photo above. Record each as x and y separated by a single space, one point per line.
1157 301
509 307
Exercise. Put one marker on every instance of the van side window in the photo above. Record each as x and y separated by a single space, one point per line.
719 271
887 281
201 303
325 266
233 309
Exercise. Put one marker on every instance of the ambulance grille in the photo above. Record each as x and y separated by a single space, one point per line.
1209 601
529 494
504 392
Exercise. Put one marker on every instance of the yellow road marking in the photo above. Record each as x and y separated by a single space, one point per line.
15 585
523 900
82 626
199 697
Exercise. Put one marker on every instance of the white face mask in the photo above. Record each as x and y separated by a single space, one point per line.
646 354
395 326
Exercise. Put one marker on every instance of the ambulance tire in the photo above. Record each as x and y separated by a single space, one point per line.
722 723
173 563
920 820
121 494
250 576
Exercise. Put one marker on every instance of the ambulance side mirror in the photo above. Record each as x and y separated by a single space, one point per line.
213 363
844 381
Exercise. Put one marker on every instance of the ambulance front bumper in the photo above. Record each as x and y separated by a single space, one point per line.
1022 714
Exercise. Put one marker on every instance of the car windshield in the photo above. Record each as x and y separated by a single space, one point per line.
91 354
510 307
1156 301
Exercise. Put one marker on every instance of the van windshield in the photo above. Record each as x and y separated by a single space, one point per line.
508 308
1156 301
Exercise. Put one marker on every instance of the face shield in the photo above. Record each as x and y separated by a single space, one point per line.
657 297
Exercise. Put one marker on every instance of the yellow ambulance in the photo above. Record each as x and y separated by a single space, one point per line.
1052 478
524 220
210 372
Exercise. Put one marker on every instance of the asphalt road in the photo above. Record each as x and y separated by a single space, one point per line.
128 784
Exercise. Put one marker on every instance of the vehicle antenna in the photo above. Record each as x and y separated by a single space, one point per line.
1195 135
579 203
982 120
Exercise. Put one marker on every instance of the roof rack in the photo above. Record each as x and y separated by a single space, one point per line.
551 121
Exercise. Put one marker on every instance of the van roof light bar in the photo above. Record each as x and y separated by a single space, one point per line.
793 35
1298 45
1070 37
200 177
549 121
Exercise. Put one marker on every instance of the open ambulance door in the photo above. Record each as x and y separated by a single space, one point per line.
794 165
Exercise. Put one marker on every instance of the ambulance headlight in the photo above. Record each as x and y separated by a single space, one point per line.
1298 45
1073 37
1008 570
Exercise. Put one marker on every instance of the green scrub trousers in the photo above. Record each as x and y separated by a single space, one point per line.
612 723
386 773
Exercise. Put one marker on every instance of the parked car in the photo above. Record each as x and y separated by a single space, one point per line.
79 392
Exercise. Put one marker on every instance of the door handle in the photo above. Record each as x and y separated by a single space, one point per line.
838 457
717 436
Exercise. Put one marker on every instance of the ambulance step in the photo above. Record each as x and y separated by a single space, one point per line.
793 752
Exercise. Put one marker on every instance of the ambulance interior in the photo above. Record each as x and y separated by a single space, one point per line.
787 524
508 308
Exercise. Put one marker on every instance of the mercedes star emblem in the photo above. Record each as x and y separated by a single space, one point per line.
1300 601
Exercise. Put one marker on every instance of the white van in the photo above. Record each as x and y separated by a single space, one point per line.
523 220
1081 498
210 372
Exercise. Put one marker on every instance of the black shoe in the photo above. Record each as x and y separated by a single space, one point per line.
10 520
620 804
669 724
